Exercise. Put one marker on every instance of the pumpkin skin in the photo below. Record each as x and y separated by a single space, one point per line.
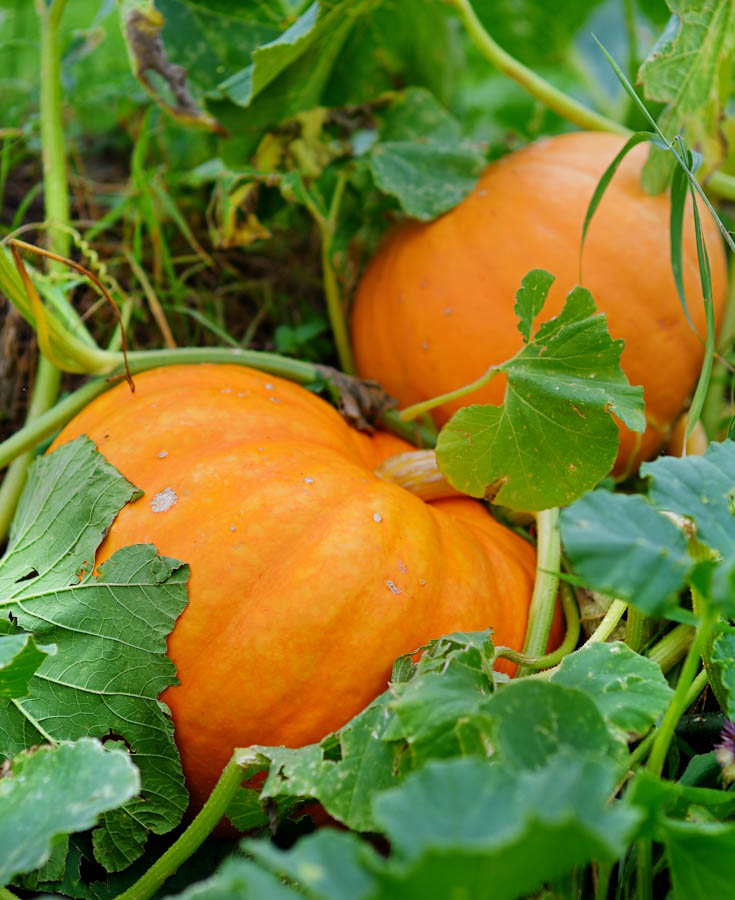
434 309
309 575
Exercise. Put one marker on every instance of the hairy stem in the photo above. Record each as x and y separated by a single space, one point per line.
418 409
543 601
139 361
571 617
194 836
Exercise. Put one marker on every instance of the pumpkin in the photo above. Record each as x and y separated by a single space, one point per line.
309 574
434 309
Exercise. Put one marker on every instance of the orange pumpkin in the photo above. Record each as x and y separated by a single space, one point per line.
435 307
309 574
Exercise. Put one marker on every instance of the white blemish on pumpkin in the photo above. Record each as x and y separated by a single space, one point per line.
226 391
394 589
423 582
163 454
241 394
269 387
164 500
274 400
447 311
308 481
482 192
377 517
154 406
424 283
425 345
232 528
402 567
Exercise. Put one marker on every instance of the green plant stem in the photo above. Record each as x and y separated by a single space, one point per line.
632 36
56 202
285 367
679 701
201 827
335 309
571 617
608 623
577 113
672 647
635 625
419 409
543 601
45 391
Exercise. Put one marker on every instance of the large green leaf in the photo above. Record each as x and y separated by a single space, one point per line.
56 790
700 859
622 545
689 69
702 488
110 629
457 828
629 690
554 437
20 656
420 157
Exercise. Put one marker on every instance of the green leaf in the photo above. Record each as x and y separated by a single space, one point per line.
289 74
329 864
622 545
663 801
54 791
530 299
20 656
463 827
690 69
702 488
421 159
535 721
629 690
723 659
342 772
536 33
110 630
240 879
700 859
554 437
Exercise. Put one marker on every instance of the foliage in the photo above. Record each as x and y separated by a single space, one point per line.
290 136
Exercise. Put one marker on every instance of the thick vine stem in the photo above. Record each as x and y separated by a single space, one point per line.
194 836
672 647
608 623
571 617
573 111
546 586
139 361
635 625
409 413
679 701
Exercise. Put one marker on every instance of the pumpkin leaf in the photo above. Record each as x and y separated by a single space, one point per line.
689 69
622 545
554 438
700 488
420 157
530 299
454 827
110 629
342 772
52 791
700 858
629 690
20 656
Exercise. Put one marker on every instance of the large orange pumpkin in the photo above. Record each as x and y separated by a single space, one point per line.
435 307
309 574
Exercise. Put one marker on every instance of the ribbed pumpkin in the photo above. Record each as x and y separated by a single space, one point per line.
435 307
309 574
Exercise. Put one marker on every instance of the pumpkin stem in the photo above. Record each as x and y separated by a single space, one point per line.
417 472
